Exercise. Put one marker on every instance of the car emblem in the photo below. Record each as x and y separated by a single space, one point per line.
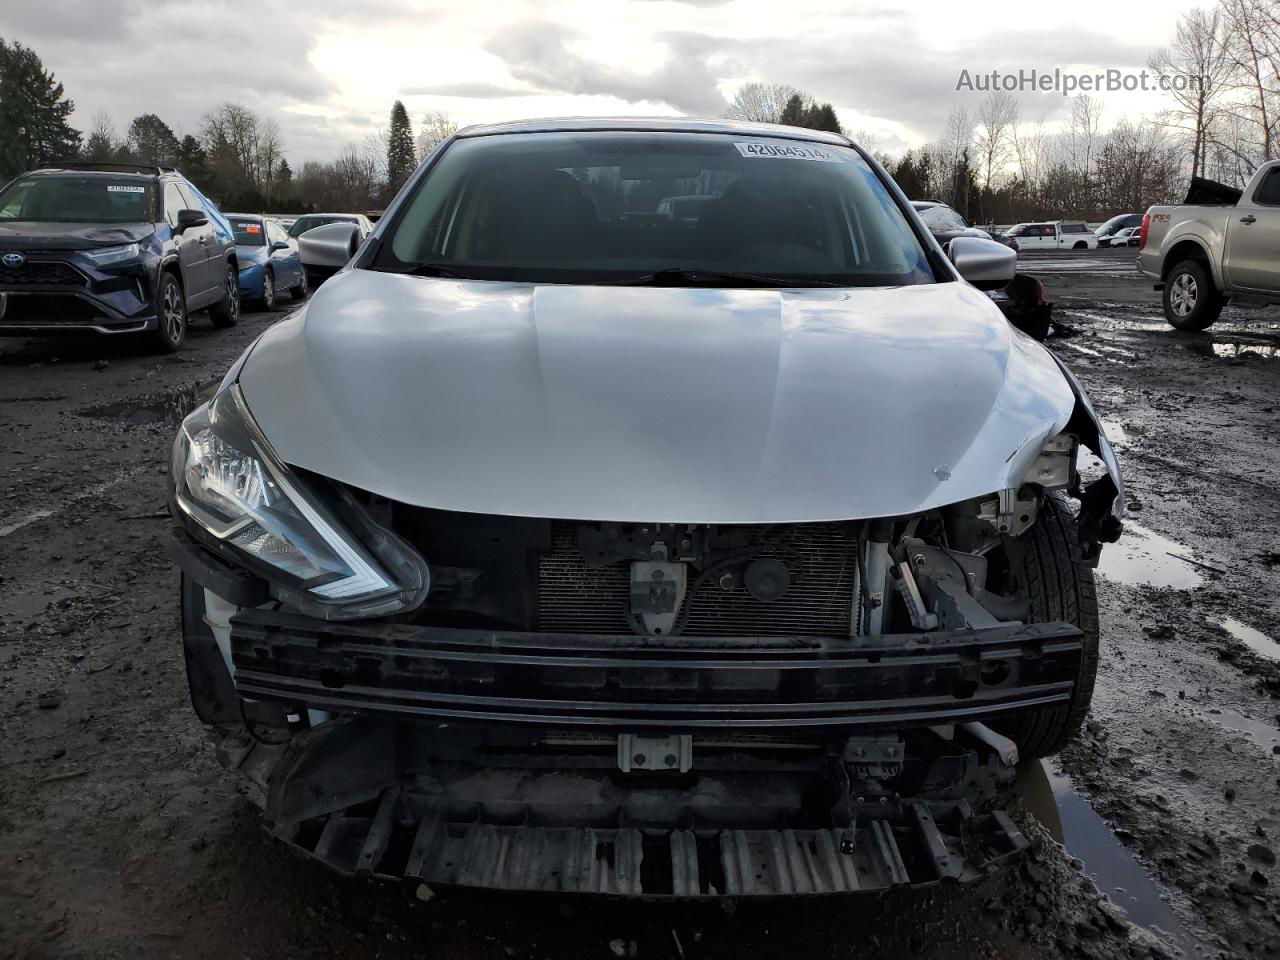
13 260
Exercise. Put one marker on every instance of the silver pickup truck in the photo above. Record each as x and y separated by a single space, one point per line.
1222 244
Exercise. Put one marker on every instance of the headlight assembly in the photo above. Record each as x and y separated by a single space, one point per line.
105 256
233 489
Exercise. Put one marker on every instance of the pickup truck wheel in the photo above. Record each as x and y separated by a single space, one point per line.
1190 300
1080 245
1045 561
226 312
171 315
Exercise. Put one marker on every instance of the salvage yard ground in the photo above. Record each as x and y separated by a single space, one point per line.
120 836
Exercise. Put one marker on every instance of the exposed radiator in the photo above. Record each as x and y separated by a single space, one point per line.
575 598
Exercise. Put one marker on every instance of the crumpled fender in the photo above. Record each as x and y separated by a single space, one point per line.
1102 503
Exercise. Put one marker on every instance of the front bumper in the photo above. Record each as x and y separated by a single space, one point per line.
627 682
66 295
251 280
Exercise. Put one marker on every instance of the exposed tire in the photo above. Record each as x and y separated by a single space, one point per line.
1190 300
171 314
303 287
1080 245
1044 560
226 312
268 298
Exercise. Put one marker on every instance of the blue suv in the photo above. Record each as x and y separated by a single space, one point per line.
113 248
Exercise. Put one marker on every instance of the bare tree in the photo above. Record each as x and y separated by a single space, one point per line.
1252 55
761 102
1197 54
434 129
997 119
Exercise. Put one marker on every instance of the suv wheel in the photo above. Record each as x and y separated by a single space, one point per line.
226 313
171 315
1190 300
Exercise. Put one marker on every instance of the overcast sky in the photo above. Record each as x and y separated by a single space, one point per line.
328 70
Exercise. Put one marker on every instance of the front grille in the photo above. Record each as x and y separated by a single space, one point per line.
47 308
821 558
41 273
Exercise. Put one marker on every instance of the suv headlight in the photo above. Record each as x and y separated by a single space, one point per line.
231 486
105 256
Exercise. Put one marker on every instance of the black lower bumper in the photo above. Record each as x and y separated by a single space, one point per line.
628 682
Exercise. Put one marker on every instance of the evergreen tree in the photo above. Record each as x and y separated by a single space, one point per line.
284 172
151 140
800 111
192 160
401 158
33 113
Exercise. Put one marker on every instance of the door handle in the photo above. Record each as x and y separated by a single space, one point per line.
204 242
1249 219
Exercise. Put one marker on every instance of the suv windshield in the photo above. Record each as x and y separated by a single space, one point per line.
79 199
656 207
303 224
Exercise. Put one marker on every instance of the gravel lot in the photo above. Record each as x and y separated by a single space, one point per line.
121 837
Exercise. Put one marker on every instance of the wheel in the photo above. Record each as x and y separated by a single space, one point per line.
1190 300
226 313
171 314
300 291
268 290
1060 588
1080 245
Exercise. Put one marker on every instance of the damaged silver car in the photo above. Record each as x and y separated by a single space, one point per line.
562 543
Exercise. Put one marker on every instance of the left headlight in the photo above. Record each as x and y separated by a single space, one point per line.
105 256
231 486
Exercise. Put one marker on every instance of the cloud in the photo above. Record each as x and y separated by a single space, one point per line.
474 90
539 53
691 3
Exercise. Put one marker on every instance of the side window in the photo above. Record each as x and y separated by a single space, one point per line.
1268 191
189 200
173 202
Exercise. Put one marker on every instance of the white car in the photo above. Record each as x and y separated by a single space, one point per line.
1054 235
557 545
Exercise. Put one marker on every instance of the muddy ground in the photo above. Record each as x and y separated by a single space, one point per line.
121 837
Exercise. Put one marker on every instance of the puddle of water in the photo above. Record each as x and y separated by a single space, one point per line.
1252 638
156 409
1143 557
1263 734
1235 349
1053 799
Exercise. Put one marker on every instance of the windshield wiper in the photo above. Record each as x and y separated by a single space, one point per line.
683 276
434 270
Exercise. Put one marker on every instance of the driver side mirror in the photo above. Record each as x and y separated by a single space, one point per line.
984 263
190 218
279 245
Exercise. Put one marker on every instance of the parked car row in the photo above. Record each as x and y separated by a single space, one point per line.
121 248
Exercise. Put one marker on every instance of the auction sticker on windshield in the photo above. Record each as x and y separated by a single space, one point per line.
116 188
788 151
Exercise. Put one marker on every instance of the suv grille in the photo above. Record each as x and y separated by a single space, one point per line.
821 558
41 273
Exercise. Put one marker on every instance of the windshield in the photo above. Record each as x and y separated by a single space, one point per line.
303 224
606 207
248 233
79 199
942 219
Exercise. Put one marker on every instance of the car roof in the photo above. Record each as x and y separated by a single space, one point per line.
653 125
305 216
245 216
55 171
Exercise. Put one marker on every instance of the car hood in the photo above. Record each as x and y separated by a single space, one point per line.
45 235
655 404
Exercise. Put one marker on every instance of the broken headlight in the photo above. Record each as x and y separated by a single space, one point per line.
231 486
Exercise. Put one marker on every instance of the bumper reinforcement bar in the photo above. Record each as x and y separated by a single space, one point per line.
631 682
